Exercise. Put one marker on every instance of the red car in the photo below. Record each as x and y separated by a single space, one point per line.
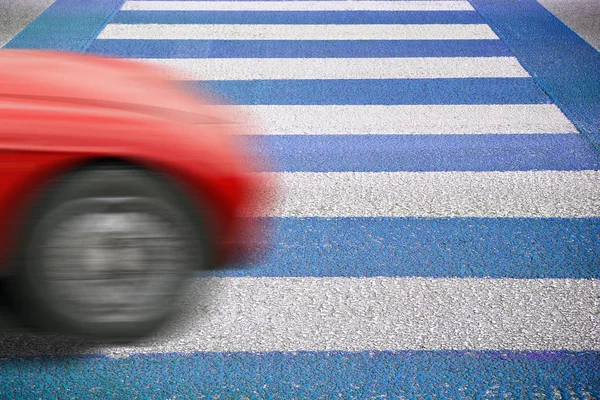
114 185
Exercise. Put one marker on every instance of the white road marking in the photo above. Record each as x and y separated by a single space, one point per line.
357 5
535 194
409 119
358 314
298 32
343 68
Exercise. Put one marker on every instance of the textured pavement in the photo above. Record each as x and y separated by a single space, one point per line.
438 232
371 314
17 14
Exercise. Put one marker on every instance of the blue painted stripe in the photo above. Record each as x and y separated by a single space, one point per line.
565 65
377 91
264 0
298 17
430 247
375 153
314 375
139 48
68 25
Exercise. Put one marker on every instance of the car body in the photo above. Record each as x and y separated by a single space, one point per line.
64 112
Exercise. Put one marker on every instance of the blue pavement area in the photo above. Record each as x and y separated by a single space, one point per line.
379 91
379 153
564 71
297 17
68 25
432 247
308 375
563 64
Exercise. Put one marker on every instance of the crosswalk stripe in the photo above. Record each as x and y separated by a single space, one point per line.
297 17
356 314
544 194
344 68
159 48
379 153
520 248
447 91
410 119
298 32
310 375
414 5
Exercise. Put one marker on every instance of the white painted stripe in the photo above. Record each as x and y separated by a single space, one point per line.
410 119
361 314
344 68
297 32
532 194
357 5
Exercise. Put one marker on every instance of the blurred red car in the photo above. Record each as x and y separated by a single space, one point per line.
115 184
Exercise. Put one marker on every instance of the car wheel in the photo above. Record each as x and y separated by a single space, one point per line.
106 255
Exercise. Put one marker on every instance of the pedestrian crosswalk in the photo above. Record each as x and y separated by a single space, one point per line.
372 101
434 199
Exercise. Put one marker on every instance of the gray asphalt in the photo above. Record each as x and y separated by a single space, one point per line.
17 14
582 16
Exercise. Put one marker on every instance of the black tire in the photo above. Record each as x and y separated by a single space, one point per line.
118 196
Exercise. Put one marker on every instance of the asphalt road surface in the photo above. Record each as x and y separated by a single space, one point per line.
438 234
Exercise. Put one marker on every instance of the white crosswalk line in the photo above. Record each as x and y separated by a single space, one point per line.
538 194
410 119
357 314
344 68
298 32
356 5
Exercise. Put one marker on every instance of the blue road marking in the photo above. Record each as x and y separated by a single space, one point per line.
376 153
68 25
555 55
312 375
298 17
378 91
160 48
431 247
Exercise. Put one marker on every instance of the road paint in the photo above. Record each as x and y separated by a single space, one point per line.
343 68
381 153
414 5
415 313
541 194
410 119
67 25
298 17
297 32
374 91
310 375
362 314
158 48
565 65
522 248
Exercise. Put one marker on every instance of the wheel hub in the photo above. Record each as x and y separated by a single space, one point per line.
113 259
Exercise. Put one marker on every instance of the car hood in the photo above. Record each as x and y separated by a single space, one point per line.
107 82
